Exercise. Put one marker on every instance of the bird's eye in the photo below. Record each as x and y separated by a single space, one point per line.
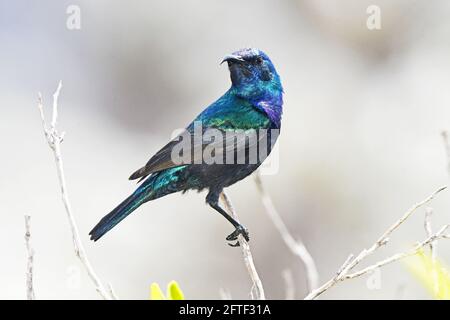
259 60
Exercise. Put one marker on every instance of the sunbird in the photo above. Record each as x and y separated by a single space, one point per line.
254 102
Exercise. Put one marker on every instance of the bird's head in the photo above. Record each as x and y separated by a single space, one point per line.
252 72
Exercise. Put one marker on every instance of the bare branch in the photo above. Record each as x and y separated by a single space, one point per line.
257 291
345 264
385 237
112 293
54 140
447 149
398 256
296 246
55 106
225 294
351 263
30 260
433 248
289 284
427 226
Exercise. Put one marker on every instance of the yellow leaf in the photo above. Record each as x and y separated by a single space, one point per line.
174 292
432 274
156 293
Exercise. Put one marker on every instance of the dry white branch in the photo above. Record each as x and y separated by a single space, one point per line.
398 256
433 248
30 259
296 246
289 284
428 228
257 291
225 294
447 149
54 139
345 264
351 263
112 292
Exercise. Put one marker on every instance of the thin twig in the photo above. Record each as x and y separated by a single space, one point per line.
289 284
417 248
350 264
225 294
345 264
447 149
433 248
257 291
296 246
54 140
428 228
385 237
112 292
30 260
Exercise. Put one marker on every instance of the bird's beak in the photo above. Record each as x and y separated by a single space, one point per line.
232 58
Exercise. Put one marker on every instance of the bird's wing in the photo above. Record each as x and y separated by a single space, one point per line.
224 121
230 141
160 161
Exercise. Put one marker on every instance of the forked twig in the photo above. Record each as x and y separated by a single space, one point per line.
351 262
54 139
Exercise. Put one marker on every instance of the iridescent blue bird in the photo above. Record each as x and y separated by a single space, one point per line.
253 102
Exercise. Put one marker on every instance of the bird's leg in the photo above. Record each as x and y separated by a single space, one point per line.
213 200
240 229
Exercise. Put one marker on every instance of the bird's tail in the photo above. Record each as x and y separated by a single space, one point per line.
118 214
155 186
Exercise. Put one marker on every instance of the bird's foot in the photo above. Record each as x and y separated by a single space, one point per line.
240 230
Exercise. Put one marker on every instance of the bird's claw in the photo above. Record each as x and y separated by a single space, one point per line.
240 230
234 245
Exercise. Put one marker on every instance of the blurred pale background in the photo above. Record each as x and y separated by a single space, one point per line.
360 140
